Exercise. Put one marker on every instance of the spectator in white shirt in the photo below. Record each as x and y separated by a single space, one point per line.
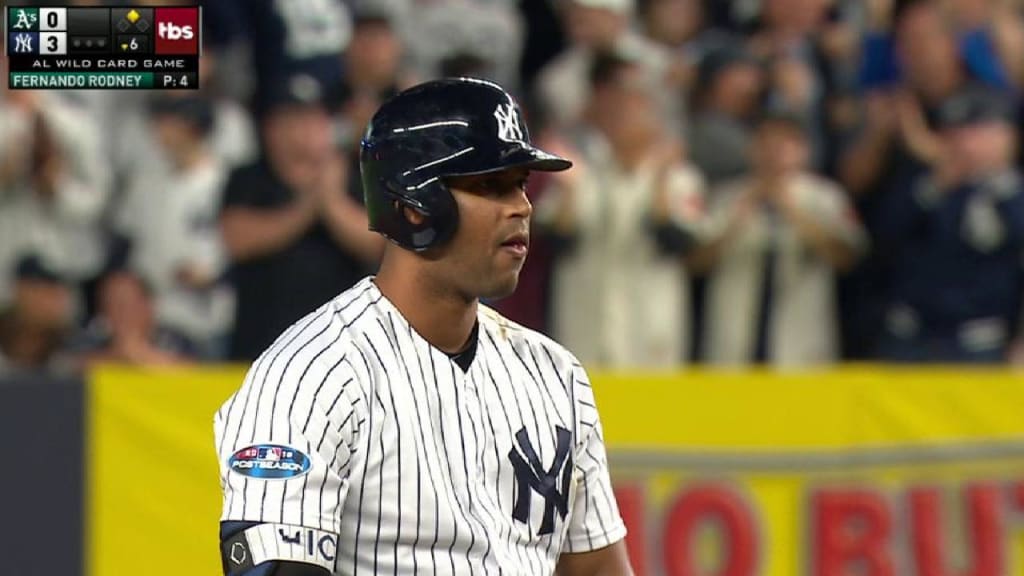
54 187
781 235
171 228
626 218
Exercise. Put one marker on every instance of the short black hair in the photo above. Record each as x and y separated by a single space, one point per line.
901 7
606 66
783 116
297 90
370 14
725 52
32 267
196 110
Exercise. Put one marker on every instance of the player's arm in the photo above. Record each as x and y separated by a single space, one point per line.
283 569
611 560
285 466
594 544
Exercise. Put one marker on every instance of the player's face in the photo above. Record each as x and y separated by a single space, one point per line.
489 248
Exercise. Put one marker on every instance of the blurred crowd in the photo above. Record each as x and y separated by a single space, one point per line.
789 183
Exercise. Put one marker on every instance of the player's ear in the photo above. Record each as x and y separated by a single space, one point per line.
413 216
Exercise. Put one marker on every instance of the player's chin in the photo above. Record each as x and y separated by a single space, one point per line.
502 285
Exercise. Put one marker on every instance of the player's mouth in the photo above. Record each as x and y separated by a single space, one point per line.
517 244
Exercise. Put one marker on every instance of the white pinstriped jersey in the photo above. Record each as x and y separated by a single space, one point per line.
352 425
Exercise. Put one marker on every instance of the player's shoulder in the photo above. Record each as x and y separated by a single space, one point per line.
501 329
326 335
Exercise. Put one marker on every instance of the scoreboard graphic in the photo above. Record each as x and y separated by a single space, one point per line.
103 48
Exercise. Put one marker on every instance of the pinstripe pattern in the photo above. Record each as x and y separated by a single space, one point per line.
410 455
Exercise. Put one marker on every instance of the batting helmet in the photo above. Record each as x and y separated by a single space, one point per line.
435 130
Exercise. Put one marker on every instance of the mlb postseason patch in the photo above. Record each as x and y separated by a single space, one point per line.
269 462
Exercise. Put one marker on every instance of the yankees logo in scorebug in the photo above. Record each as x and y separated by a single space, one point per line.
552 484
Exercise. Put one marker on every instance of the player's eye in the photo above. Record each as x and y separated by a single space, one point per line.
495 185
490 186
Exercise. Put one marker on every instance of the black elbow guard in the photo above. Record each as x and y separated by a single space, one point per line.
300 552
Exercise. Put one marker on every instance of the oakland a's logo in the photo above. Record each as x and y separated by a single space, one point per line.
509 127
552 484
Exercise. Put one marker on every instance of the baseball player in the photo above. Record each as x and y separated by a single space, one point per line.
404 428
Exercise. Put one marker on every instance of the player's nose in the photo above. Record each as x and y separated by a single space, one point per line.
521 205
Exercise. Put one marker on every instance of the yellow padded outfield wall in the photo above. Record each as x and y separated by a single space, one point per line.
864 470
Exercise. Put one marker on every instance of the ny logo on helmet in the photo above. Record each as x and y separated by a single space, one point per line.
509 127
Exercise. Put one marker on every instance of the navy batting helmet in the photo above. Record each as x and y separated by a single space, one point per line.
439 129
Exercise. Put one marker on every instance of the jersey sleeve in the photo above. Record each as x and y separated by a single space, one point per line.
288 440
594 519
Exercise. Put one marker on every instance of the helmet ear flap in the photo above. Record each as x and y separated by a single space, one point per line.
405 212
440 217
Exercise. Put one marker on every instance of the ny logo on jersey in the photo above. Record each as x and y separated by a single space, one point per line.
552 484
509 127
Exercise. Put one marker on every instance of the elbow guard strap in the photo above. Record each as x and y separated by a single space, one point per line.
261 543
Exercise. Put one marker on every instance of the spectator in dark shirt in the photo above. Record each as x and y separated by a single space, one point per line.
727 96
294 230
911 63
957 234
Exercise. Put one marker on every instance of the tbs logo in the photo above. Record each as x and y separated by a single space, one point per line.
170 31
177 30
